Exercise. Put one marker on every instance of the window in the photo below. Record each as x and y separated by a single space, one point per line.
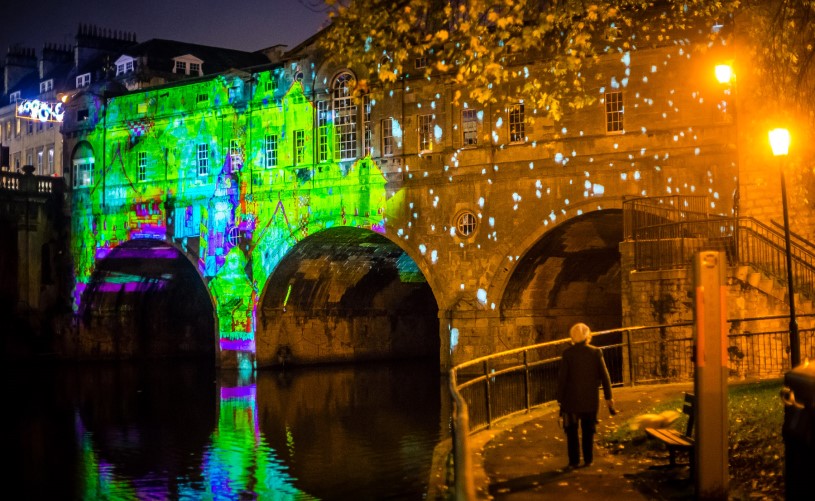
39 161
29 126
425 133
46 85
201 98
195 68
203 159
271 150
17 161
180 67
465 224
367 134
299 146
83 80
387 136
270 84
14 96
420 62
516 124
83 172
17 126
40 127
124 65
142 174
82 115
345 118
614 111
51 160
29 157
323 114
235 156
469 127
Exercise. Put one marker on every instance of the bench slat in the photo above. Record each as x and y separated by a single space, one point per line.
670 437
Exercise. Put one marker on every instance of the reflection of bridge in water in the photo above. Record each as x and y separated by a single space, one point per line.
307 248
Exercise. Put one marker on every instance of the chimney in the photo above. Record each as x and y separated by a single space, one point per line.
52 56
20 61
92 41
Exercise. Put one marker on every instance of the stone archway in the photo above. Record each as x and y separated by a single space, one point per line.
145 300
346 294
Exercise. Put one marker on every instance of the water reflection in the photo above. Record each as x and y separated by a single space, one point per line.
183 431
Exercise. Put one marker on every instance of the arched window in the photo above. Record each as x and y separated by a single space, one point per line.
82 174
345 117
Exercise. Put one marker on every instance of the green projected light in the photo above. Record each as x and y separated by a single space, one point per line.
227 169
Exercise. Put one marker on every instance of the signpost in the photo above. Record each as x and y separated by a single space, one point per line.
710 379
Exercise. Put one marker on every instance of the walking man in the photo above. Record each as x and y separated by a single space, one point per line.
582 371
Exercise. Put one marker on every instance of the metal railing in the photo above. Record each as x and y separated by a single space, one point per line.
495 387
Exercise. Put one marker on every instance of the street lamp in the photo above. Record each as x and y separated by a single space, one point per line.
725 76
780 143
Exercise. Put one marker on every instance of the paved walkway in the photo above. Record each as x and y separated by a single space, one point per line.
524 457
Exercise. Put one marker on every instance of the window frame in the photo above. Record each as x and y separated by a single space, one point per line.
299 143
323 120
516 118
469 115
141 172
424 124
235 156
271 143
388 141
46 86
614 108
83 80
345 117
202 159
83 172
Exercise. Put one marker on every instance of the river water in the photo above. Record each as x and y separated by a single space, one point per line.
182 430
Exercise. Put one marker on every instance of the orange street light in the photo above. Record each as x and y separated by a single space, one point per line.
780 144
724 73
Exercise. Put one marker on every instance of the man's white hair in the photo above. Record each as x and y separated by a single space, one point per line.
580 332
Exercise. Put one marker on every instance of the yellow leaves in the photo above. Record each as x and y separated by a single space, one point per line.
442 35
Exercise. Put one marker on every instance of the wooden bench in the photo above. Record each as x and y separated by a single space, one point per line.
673 439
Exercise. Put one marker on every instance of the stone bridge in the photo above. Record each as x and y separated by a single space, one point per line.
265 217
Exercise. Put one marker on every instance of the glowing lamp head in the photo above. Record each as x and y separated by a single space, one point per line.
780 141
724 73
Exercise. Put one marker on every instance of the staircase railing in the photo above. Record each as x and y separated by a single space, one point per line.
667 231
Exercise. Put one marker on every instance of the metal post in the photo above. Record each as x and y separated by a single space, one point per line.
795 347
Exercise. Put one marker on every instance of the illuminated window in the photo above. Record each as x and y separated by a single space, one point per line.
46 85
39 161
465 224
180 67
271 150
425 133
345 118
367 134
83 80
83 172
387 136
235 153
516 124
203 159
614 111
142 166
299 146
51 160
323 115
469 127
195 69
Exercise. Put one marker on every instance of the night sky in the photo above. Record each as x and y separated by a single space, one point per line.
236 24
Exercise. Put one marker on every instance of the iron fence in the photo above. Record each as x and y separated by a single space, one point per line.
495 387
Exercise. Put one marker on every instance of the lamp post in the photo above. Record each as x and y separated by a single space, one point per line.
780 143
725 76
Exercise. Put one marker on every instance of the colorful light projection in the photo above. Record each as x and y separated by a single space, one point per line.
225 170
237 462
41 111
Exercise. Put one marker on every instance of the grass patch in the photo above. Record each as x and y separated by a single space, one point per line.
756 448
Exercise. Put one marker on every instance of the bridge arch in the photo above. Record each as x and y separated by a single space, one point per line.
346 294
146 300
563 274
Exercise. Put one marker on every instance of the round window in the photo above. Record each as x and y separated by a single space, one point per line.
234 236
465 224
